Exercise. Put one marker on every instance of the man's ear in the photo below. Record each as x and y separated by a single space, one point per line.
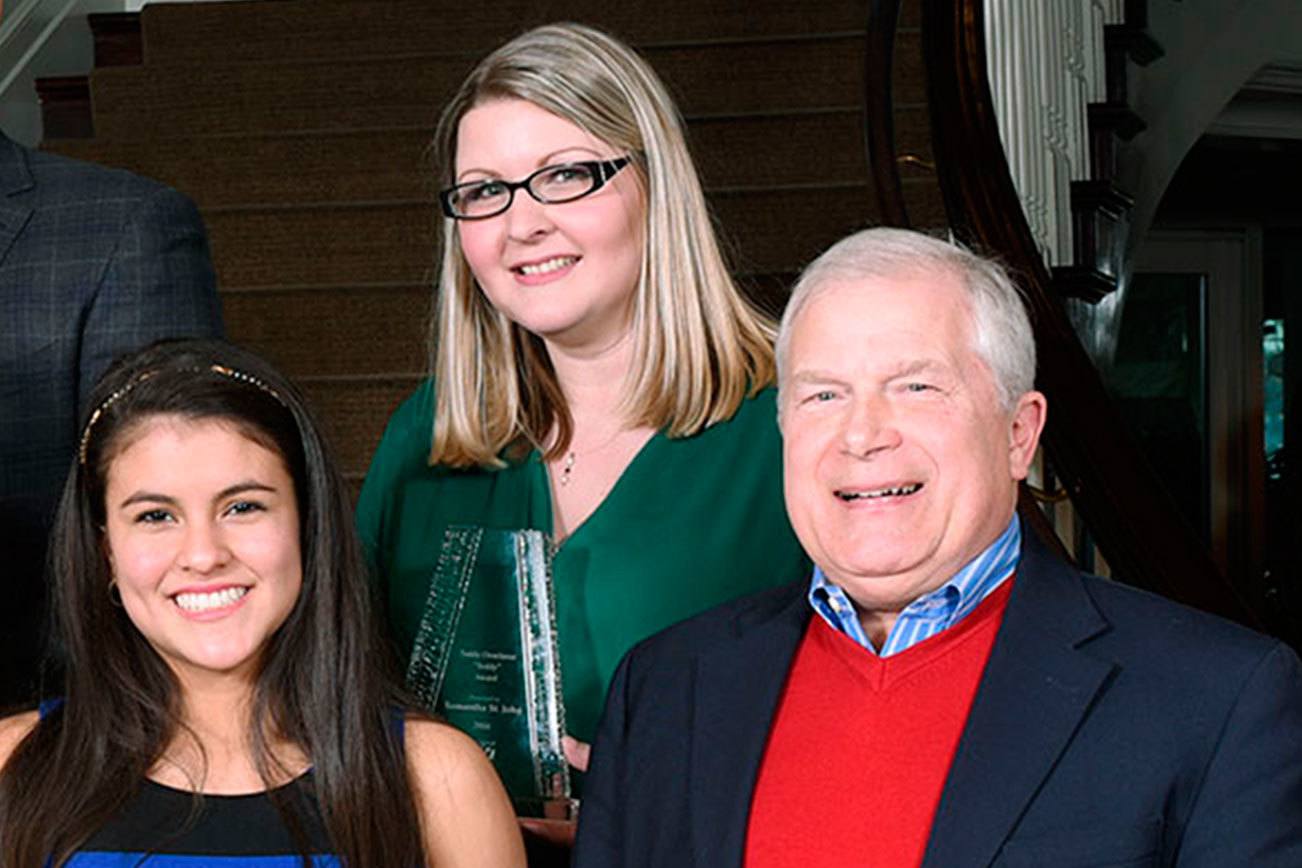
1025 425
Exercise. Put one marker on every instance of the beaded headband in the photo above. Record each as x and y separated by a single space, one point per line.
119 394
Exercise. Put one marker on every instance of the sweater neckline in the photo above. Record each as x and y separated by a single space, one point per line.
883 674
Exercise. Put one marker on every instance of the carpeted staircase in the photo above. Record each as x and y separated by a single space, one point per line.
299 127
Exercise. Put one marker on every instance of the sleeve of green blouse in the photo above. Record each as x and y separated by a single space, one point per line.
403 449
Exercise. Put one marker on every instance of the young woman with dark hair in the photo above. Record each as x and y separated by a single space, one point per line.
222 695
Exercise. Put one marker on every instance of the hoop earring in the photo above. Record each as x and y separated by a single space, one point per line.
115 595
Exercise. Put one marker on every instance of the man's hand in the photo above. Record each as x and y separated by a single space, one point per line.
576 752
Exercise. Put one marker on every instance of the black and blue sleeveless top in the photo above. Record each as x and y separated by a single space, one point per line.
159 828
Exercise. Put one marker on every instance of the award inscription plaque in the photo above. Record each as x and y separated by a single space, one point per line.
485 659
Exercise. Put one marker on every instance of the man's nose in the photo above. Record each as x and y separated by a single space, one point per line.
870 426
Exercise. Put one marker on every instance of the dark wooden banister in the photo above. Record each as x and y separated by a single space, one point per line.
1117 492
879 119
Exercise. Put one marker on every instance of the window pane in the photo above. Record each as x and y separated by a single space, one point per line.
1159 380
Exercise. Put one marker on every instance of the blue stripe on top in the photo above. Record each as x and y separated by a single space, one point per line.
166 860
932 612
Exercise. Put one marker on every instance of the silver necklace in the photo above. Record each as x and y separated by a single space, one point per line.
567 468
567 465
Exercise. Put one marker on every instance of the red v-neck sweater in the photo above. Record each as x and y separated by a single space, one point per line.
861 746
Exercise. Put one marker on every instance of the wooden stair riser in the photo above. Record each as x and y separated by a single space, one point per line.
925 204
1100 224
301 130
396 92
65 106
369 331
332 330
354 412
394 163
908 70
771 231
116 36
272 170
328 29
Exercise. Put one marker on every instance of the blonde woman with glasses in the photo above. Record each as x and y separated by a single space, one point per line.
597 374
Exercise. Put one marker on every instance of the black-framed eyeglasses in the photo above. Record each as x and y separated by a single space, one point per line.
550 185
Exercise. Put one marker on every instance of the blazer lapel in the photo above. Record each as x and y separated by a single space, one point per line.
1036 689
735 699
15 178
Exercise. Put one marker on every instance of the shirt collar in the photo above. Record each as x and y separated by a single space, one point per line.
932 612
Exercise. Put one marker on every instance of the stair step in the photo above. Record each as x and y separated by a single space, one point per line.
769 291
354 410
1133 42
1132 38
339 29
333 330
117 38
304 245
1117 118
369 330
925 204
1100 223
908 69
1110 125
155 101
272 169
1082 282
65 106
301 129
774 230
779 149
393 164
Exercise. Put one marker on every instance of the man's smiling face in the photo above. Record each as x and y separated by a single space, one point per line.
901 464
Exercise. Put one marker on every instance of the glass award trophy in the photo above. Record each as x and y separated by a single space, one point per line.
485 659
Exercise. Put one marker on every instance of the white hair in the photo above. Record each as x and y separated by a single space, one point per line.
1001 329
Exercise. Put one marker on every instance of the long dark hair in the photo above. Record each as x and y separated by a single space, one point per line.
318 685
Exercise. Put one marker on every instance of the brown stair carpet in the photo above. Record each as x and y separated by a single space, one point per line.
332 29
300 127
728 78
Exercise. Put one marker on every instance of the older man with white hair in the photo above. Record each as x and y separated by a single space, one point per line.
942 691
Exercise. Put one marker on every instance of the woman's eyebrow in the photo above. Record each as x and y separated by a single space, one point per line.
147 497
245 486
544 160
547 158
229 491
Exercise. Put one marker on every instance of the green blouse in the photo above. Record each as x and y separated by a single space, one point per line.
692 522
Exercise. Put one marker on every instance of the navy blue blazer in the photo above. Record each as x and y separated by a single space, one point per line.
93 262
1111 727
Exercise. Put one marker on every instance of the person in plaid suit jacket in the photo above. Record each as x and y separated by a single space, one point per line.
93 262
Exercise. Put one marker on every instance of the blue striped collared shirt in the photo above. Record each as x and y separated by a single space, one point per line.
932 612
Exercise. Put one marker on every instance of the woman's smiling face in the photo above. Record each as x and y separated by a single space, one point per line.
566 272
202 533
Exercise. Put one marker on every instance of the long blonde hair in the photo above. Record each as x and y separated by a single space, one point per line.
699 347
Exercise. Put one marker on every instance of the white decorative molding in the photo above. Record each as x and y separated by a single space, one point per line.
1045 64
25 31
